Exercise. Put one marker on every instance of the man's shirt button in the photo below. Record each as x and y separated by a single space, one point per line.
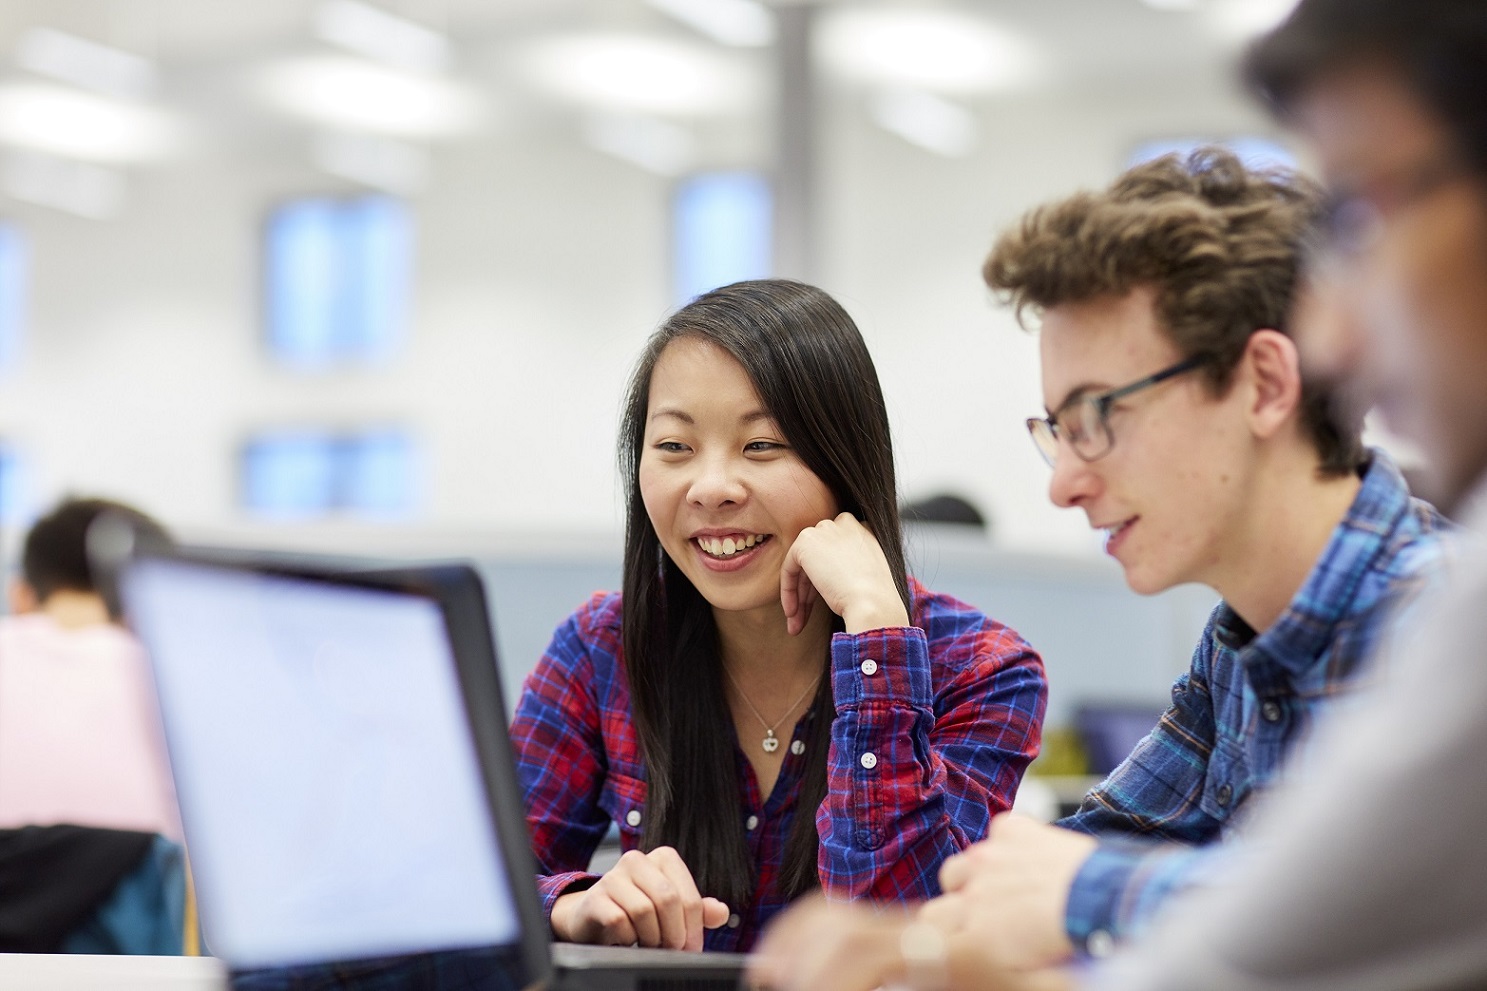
869 760
751 823
797 747
1270 711
733 921
869 667
1224 795
633 817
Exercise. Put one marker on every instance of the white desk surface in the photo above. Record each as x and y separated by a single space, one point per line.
80 972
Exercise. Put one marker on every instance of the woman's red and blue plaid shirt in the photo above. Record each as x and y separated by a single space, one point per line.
952 712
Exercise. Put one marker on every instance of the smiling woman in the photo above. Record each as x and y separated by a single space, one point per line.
764 588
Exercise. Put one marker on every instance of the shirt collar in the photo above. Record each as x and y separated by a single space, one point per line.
1304 630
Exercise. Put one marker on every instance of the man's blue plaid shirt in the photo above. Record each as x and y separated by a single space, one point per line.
1238 711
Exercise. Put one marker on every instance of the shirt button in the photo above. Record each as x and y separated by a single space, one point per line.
1224 795
1270 711
868 760
733 921
1099 944
869 667
633 817
751 823
797 747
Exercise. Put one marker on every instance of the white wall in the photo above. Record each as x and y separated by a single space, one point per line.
541 268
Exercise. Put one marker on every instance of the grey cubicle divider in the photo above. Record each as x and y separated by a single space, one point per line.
1099 640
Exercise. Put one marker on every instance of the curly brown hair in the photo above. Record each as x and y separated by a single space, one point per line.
1221 245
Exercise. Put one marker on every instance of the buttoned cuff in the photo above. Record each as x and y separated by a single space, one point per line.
1090 919
552 886
885 665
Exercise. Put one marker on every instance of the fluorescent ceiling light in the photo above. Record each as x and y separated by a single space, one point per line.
926 120
73 187
65 122
1172 4
742 23
929 49
639 74
369 31
1244 19
382 163
655 145
356 95
85 63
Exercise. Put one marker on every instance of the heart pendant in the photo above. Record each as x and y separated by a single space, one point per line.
771 743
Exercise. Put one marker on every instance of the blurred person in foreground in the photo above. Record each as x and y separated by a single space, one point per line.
80 741
1364 869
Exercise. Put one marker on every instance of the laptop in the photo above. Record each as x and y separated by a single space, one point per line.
338 739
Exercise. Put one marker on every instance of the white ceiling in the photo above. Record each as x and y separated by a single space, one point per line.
212 57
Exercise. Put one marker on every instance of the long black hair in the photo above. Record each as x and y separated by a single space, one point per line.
810 367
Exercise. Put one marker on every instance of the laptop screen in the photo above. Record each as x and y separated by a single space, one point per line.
331 792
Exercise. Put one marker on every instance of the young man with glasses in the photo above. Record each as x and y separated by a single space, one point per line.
1178 421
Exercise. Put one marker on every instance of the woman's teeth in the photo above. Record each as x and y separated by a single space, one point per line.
728 546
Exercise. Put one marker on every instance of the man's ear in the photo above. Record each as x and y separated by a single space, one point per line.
1273 367
22 597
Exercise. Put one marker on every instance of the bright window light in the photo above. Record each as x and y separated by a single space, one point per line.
1254 151
308 473
377 473
338 278
14 271
13 506
722 231
361 96
290 474
640 74
936 50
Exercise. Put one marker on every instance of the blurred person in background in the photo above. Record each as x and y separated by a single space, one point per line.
80 741
1181 424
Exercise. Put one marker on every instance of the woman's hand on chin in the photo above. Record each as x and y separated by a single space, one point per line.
840 564
648 899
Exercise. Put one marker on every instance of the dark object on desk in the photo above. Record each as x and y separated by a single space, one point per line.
1109 731
376 838
489 969
52 878
943 508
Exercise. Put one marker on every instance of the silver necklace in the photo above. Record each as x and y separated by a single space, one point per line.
770 743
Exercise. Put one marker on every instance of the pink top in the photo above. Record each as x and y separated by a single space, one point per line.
80 739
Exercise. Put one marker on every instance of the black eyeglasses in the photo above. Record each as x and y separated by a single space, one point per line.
1085 422
1352 218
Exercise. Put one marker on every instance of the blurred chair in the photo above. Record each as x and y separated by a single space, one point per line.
76 889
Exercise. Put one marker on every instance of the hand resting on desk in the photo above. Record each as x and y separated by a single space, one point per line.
646 898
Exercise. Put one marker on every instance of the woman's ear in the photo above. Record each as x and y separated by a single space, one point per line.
1272 365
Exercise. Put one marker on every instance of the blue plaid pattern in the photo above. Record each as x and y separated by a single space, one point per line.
1240 709
952 714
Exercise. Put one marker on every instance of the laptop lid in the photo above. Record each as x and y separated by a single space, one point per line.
338 740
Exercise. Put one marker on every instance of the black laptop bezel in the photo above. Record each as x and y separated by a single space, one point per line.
456 588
